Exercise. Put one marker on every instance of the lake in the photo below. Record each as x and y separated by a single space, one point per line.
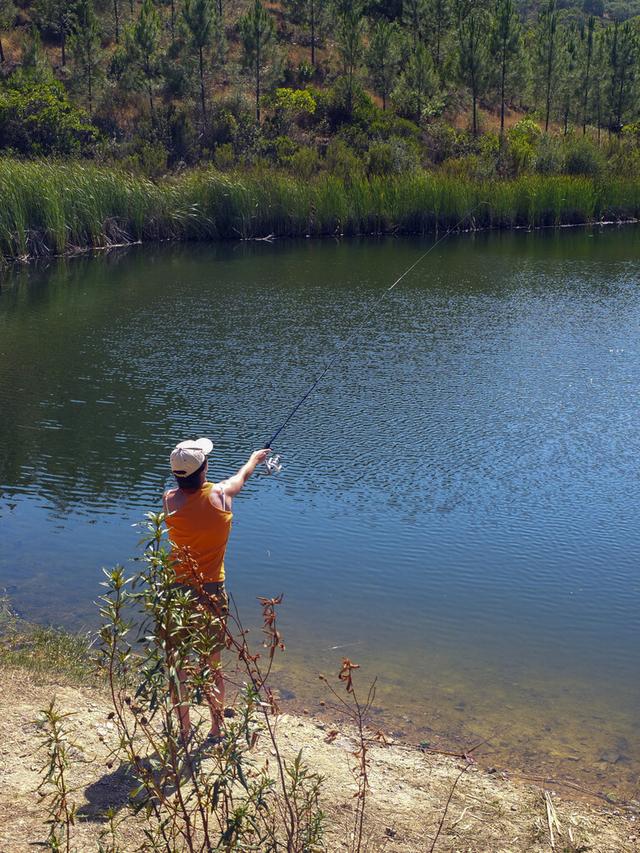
458 507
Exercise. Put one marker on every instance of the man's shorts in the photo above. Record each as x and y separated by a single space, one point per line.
211 597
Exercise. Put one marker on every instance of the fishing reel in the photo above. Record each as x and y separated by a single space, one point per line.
272 464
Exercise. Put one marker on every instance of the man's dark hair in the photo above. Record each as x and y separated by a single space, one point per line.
192 481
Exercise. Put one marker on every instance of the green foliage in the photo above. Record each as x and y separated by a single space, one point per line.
38 119
190 793
142 46
224 156
85 46
395 157
257 32
383 57
582 157
305 163
343 162
473 26
48 208
294 102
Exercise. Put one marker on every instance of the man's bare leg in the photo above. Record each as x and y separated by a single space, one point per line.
181 706
215 696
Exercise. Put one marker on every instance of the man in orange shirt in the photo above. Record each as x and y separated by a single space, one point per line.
198 518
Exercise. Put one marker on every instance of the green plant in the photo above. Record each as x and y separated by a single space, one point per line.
38 119
54 785
194 795
582 157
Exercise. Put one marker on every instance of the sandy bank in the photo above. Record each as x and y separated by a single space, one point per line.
409 789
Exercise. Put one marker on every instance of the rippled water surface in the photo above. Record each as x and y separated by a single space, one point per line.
459 505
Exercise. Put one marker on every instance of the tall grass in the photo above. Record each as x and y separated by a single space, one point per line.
52 208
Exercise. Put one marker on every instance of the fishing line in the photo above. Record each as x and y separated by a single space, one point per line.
273 464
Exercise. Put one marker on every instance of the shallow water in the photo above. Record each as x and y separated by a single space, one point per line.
458 507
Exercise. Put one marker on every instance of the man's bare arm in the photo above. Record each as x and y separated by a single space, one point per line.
234 484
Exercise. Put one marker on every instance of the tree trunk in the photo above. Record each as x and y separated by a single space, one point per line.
173 21
312 24
116 15
585 100
620 102
202 92
63 44
90 82
503 75
1 51
258 81
549 75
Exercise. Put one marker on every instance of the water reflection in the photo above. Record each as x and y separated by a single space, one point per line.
459 496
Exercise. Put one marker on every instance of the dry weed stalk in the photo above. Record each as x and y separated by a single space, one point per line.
359 713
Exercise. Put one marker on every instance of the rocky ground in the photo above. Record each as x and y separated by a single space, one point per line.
409 789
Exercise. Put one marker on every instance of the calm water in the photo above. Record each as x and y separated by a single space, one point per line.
458 508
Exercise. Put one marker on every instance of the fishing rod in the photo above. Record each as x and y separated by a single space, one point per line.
273 463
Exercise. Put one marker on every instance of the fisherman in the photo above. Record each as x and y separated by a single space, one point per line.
198 518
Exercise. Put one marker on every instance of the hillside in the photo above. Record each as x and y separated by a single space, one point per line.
354 89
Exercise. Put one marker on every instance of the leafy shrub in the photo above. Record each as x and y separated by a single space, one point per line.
444 142
37 119
391 158
294 101
362 107
343 162
387 124
305 163
289 106
183 142
224 156
548 159
582 157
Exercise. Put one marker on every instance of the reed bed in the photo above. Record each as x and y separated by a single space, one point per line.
51 208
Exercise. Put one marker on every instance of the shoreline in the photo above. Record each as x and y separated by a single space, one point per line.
47 214
407 801
84 252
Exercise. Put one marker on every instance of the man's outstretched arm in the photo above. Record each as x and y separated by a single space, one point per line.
234 484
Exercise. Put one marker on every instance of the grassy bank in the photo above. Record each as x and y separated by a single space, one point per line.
50 208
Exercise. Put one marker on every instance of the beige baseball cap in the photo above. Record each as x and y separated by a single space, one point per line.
188 456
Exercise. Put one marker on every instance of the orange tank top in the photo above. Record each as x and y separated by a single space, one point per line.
201 529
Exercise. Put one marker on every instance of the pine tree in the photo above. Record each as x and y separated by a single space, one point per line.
439 13
505 45
473 29
383 57
7 18
547 55
116 19
623 54
415 14
85 47
205 28
257 32
311 14
59 17
570 82
350 32
587 43
143 51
